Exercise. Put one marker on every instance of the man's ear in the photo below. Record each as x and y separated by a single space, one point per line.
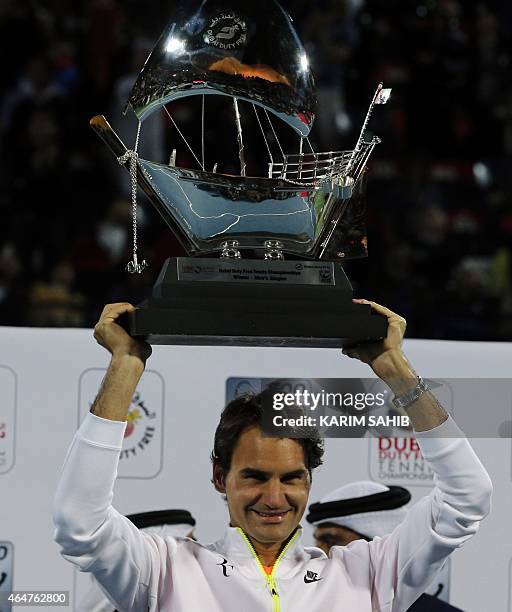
218 479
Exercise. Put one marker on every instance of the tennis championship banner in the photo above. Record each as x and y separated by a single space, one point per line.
49 379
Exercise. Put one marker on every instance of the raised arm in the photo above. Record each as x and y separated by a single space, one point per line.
126 365
91 533
390 364
404 563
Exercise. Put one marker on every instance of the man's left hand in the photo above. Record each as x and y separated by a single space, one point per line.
380 355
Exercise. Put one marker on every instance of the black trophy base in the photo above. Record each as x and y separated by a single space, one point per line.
253 303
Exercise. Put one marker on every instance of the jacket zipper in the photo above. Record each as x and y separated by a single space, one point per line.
270 578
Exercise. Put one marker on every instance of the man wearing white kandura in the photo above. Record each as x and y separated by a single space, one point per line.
260 563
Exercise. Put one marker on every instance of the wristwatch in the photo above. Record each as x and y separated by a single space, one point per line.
405 400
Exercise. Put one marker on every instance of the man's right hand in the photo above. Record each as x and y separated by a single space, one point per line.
109 334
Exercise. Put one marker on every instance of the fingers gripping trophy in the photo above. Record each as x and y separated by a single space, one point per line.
267 231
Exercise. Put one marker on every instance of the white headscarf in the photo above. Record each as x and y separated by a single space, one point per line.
370 524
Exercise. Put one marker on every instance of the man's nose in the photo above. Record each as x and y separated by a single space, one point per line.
273 494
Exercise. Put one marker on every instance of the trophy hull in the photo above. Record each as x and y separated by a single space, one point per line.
322 219
250 303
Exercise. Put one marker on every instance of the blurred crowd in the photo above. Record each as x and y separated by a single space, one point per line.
439 189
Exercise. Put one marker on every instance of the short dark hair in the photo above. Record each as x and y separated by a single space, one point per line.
245 412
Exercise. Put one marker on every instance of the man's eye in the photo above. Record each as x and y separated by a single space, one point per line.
293 478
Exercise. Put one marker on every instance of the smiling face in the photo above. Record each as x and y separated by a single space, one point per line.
267 486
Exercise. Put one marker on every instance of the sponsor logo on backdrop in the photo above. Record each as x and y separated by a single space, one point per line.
397 459
141 455
238 386
6 570
141 429
8 391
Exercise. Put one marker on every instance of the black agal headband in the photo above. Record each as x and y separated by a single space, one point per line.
161 517
396 497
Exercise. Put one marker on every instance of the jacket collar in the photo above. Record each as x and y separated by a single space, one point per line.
235 548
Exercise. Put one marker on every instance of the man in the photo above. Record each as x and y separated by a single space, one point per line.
365 510
173 523
260 564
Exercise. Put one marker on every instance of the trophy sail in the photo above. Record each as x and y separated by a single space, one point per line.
248 50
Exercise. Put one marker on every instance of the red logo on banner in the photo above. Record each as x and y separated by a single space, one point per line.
132 418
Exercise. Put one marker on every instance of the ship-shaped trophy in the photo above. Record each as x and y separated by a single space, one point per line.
265 241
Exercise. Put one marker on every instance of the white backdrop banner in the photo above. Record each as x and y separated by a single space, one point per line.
49 378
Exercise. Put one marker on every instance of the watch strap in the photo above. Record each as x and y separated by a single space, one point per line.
406 399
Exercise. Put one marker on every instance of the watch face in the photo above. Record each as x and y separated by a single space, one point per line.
397 403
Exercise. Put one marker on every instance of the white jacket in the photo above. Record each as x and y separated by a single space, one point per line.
144 573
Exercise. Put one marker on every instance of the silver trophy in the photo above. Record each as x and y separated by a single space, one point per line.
265 239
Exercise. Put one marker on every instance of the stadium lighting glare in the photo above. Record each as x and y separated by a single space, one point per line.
175 45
